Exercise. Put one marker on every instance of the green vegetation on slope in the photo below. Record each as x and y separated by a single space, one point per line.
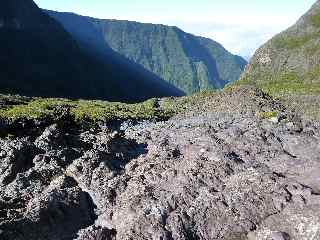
188 62
291 43
286 83
80 110
288 66
315 20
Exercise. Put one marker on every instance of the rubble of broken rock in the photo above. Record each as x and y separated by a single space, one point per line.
219 170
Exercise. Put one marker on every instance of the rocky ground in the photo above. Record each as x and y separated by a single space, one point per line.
237 166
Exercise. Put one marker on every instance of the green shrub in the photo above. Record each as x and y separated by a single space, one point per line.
315 20
267 115
83 110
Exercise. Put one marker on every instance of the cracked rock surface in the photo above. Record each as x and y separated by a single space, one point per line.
216 172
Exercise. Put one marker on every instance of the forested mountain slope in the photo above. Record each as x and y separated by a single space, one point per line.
189 62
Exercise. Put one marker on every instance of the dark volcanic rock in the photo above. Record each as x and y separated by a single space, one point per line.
223 173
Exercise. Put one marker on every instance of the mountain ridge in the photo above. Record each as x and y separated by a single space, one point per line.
189 62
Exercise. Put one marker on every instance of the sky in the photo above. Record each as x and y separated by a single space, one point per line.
241 26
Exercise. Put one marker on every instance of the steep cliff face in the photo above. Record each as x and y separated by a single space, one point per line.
39 58
190 63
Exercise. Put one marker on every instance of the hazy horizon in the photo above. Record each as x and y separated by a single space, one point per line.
240 26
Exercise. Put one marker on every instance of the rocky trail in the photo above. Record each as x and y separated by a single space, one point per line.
220 170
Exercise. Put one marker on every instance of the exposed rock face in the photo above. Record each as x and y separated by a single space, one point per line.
223 173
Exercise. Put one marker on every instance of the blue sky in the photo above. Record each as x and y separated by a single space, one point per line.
240 25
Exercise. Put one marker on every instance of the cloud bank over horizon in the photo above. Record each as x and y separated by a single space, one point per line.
242 35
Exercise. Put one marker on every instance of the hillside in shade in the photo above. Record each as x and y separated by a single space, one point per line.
39 58
189 62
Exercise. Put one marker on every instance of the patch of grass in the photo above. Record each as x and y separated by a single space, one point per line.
299 91
312 49
102 111
242 82
178 105
287 82
95 111
292 42
36 108
313 74
292 83
315 20
267 115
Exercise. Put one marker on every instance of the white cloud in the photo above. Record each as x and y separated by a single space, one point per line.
240 34
240 39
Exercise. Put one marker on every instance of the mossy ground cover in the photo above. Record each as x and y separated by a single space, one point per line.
294 86
287 82
80 110
299 91
95 111
267 115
